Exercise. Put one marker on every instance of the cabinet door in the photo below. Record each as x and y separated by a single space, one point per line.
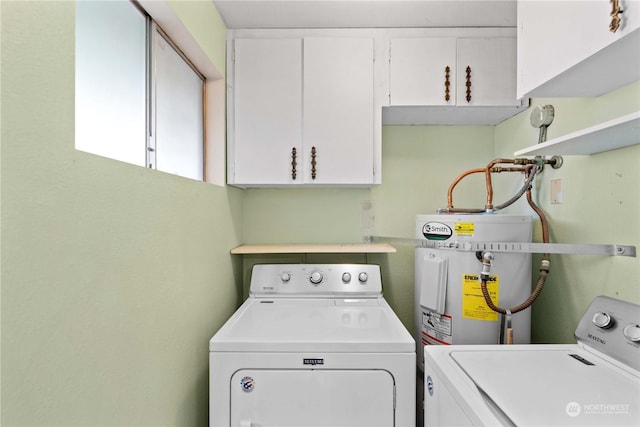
565 48
491 72
418 71
267 110
338 110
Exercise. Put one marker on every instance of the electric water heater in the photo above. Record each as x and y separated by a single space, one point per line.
450 306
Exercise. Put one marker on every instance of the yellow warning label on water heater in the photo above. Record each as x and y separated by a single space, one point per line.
473 304
464 228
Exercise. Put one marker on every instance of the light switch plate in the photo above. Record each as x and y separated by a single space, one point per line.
556 191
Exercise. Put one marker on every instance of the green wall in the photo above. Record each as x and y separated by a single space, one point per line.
114 277
601 204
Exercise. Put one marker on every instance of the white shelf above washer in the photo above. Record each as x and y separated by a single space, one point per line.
314 249
617 133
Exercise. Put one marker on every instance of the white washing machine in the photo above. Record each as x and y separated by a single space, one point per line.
313 345
595 382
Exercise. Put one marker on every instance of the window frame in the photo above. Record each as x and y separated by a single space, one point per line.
153 29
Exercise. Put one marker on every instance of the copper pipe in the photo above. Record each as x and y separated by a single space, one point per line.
489 204
456 181
543 219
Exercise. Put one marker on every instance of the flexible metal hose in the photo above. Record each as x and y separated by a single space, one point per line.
530 174
542 275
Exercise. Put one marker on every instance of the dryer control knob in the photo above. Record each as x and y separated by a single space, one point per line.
285 277
363 277
346 277
315 278
632 332
602 320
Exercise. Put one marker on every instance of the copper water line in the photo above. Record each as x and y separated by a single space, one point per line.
469 172
491 168
489 205
456 181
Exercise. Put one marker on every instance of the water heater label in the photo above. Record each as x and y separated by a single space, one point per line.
436 231
436 328
464 228
473 304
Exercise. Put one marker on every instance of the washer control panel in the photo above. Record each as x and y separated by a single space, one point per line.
612 327
308 280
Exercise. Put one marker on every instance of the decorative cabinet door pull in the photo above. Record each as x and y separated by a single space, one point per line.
294 164
313 163
468 70
615 18
447 83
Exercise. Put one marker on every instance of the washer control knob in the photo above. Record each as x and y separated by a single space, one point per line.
363 277
285 277
346 277
632 332
315 278
602 320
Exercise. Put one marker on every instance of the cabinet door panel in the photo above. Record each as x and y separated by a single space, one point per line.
418 71
492 62
267 109
338 109
572 40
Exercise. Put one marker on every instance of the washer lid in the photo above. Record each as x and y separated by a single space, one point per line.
303 325
553 386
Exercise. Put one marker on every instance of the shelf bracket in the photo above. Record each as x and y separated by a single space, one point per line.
510 247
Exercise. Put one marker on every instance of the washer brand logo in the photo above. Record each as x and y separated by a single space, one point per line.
436 231
247 384
313 362
597 339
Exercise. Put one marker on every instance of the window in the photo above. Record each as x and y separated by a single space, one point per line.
138 99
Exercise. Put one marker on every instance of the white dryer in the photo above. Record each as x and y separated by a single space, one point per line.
313 345
595 382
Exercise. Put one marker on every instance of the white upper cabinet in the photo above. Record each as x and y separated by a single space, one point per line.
452 76
338 111
472 71
306 106
486 72
421 69
301 112
266 110
567 49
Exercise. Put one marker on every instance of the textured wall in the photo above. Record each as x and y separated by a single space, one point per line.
114 277
601 205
